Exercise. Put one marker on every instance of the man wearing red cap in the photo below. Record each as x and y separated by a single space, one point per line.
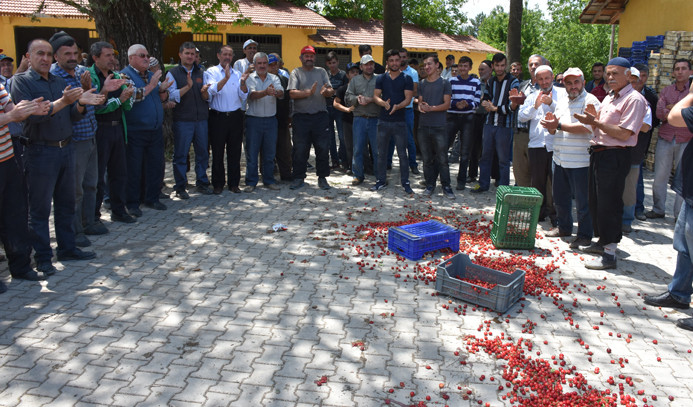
309 85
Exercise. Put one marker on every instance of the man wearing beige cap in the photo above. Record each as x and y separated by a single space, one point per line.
571 158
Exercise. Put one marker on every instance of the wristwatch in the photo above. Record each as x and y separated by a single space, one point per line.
559 126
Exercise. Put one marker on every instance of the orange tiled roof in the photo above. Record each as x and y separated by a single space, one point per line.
281 14
356 32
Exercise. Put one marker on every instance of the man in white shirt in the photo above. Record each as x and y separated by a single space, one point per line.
264 89
535 107
571 158
249 49
228 92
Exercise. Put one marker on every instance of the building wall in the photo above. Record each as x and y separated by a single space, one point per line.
8 23
653 17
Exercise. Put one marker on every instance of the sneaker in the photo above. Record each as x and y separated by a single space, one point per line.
653 215
408 190
82 241
557 232
665 300
640 216
107 203
685 323
47 268
204 189
136 212
323 184
76 254
356 181
249 188
460 186
156 206
626 229
298 183
477 189
593 248
415 170
272 187
96 228
379 186
30 275
580 241
429 191
182 194
447 191
124 218
603 262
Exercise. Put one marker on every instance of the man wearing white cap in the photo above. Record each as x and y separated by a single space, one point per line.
249 49
534 108
571 158
616 128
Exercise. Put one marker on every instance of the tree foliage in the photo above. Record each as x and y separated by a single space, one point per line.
493 30
442 15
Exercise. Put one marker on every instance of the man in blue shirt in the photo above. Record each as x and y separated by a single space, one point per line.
393 92
408 113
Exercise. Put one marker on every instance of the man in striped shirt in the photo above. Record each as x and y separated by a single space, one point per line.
571 158
498 128
466 97
14 231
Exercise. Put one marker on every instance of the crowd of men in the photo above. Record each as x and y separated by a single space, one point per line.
75 138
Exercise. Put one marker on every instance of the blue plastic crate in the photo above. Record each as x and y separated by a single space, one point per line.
412 241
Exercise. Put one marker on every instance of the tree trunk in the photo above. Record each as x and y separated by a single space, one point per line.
392 25
127 22
514 44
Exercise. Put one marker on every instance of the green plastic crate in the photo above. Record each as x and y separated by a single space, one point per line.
516 217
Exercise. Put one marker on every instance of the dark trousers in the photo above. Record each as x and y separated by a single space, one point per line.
569 183
348 132
110 144
389 132
284 149
433 144
336 128
608 171
145 157
226 137
540 162
311 129
477 142
14 231
464 123
51 178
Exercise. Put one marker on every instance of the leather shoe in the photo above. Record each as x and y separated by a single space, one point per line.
82 241
204 189
604 262
557 232
30 275
76 254
665 300
653 215
156 205
625 228
323 184
415 170
460 186
356 181
182 194
594 248
640 216
235 190
249 188
3 287
580 241
46 268
124 218
685 323
298 183
272 187
136 212
96 228
218 190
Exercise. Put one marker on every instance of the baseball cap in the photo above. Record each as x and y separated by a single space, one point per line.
249 42
272 59
366 59
634 71
3 56
352 65
573 72
307 50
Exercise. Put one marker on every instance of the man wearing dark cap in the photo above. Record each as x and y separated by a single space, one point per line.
616 127
50 155
67 57
309 85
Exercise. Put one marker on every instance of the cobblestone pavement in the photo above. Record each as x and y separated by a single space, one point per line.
201 305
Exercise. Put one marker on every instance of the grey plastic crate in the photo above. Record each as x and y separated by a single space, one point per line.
500 298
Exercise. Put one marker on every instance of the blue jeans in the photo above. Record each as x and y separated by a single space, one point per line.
365 131
336 124
185 133
569 183
260 135
50 174
499 140
86 180
630 194
433 142
411 145
681 286
387 132
311 129
145 150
